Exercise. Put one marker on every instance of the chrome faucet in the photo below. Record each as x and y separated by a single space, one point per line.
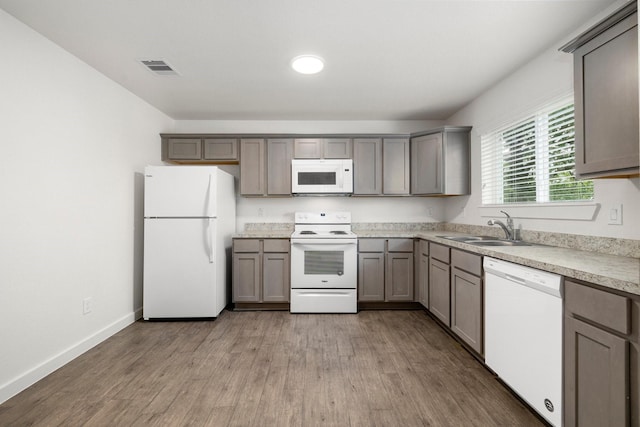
508 229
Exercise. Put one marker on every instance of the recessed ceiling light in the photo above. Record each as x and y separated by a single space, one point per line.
307 64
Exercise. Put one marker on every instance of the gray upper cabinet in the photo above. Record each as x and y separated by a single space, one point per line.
279 154
220 149
184 149
606 97
395 164
440 162
179 148
265 167
322 148
367 166
252 164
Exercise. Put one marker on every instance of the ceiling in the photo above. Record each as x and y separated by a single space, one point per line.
384 59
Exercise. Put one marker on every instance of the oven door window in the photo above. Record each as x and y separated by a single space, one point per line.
316 178
324 262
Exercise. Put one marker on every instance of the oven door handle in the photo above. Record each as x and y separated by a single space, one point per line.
324 242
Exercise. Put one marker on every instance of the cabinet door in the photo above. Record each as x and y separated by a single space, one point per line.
367 166
252 163
371 276
395 164
337 148
279 152
466 308
606 101
246 277
399 276
426 164
221 149
596 375
307 148
275 277
439 295
185 149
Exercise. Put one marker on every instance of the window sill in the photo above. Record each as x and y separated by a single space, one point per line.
578 211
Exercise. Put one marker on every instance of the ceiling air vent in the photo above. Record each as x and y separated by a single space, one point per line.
159 67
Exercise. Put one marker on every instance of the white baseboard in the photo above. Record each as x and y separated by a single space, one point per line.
30 377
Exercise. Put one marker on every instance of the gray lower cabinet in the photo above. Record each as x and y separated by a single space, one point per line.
606 96
439 282
422 272
367 166
265 167
601 357
385 270
191 148
395 166
322 148
261 270
441 162
466 298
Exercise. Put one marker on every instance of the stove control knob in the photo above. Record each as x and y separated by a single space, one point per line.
340 273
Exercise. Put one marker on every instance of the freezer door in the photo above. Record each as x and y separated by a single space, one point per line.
180 191
180 269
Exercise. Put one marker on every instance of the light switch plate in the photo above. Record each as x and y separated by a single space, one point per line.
615 214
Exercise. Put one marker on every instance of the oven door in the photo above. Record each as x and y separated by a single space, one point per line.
324 263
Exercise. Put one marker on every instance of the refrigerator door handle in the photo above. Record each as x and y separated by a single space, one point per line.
212 246
211 196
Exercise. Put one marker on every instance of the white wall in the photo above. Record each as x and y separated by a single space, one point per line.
363 209
74 146
544 79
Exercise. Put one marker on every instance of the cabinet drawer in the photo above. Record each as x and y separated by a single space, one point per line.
466 261
400 245
440 252
277 245
371 245
246 245
607 309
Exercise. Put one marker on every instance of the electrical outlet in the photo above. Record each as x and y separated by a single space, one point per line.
260 212
87 305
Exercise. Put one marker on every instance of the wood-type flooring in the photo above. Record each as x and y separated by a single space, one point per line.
374 368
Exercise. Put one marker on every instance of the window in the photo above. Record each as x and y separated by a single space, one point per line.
532 161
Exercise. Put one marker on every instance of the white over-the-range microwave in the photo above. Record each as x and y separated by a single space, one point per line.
322 176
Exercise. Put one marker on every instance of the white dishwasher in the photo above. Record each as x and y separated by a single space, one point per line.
523 333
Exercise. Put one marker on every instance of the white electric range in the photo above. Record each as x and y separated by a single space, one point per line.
324 259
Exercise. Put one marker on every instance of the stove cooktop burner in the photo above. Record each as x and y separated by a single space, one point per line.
338 232
307 232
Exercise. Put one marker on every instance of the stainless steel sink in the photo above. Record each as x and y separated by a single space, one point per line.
498 243
467 238
486 241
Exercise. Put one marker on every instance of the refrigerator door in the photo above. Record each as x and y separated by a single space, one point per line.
180 268
180 191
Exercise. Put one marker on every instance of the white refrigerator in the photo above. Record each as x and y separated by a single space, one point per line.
189 219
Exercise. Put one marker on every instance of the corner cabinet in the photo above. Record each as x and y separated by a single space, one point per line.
261 271
601 357
606 97
261 166
441 162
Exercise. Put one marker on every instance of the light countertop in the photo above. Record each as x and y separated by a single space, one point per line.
611 271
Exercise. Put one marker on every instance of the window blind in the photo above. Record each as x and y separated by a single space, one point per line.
532 160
